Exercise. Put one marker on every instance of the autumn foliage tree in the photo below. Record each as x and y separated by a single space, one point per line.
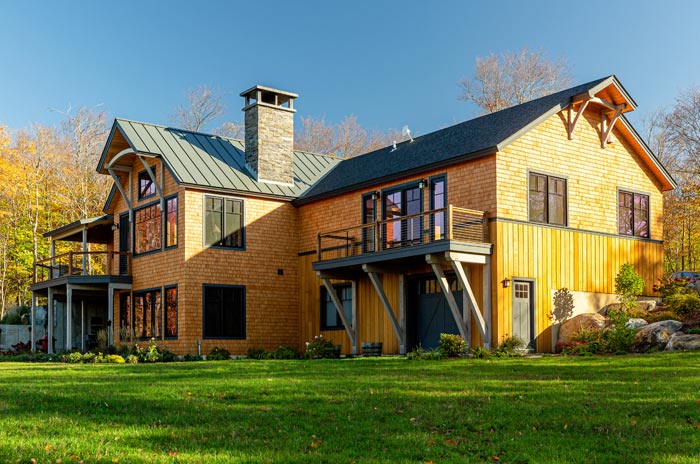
511 78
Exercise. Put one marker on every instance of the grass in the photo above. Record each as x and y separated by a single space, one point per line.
550 410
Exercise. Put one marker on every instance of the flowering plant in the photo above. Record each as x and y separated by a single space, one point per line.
320 348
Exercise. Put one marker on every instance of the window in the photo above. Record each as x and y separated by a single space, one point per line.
437 201
170 312
147 229
330 320
224 311
547 199
148 314
398 203
369 216
146 186
633 214
223 222
171 222
125 315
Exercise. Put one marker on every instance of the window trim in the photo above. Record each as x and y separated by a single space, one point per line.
633 192
164 300
566 198
204 222
133 231
365 231
431 204
245 311
323 308
165 223
138 184
401 188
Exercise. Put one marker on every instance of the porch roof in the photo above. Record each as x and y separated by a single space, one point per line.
99 230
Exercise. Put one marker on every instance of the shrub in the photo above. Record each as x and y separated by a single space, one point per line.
132 359
256 353
638 313
14 316
74 358
284 352
452 345
628 286
320 348
669 286
618 337
693 332
509 348
420 354
683 303
89 358
480 352
662 316
191 357
218 354
114 359
575 348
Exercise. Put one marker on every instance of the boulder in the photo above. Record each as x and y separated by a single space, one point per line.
646 305
655 337
682 342
583 321
635 323
605 309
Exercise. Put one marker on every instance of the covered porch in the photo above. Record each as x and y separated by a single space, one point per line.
75 289
449 243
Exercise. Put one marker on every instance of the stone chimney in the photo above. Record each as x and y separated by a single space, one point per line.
269 134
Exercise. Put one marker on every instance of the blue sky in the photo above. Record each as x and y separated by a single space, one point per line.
389 63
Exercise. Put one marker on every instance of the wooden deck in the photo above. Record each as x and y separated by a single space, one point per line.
77 263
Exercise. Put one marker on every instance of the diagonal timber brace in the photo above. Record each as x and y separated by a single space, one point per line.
399 327
350 329
608 109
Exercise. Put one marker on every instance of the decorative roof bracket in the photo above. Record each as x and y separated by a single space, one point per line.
608 107
159 190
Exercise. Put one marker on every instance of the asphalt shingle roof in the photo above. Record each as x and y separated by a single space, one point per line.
470 139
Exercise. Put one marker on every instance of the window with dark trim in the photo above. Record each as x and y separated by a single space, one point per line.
223 222
170 312
146 186
547 199
398 202
125 316
171 222
330 320
147 229
224 311
633 214
369 216
148 314
438 200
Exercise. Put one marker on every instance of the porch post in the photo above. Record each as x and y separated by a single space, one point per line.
84 252
49 321
402 312
32 329
69 317
110 314
486 279
82 325
399 330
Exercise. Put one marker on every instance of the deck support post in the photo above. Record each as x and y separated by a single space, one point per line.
32 328
49 319
486 292
69 317
350 329
399 329
85 249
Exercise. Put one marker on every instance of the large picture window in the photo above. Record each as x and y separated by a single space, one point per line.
224 311
437 201
223 222
147 233
171 222
547 199
148 314
330 320
633 214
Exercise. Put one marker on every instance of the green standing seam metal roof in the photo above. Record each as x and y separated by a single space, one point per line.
212 162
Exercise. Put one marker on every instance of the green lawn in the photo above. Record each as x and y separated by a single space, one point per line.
630 409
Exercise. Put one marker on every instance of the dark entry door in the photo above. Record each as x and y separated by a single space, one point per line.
429 315
124 244
523 312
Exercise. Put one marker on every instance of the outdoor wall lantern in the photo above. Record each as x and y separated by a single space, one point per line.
422 184
115 226
375 195
506 282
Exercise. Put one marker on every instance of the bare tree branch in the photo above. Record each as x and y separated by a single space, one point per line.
204 104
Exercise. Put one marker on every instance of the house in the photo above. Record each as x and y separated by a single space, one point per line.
208 241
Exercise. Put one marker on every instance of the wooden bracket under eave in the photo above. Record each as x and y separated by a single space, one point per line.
608 108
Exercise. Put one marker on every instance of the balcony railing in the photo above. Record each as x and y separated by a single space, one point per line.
451 223
87 263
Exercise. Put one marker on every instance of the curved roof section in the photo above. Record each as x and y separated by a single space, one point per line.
468 140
